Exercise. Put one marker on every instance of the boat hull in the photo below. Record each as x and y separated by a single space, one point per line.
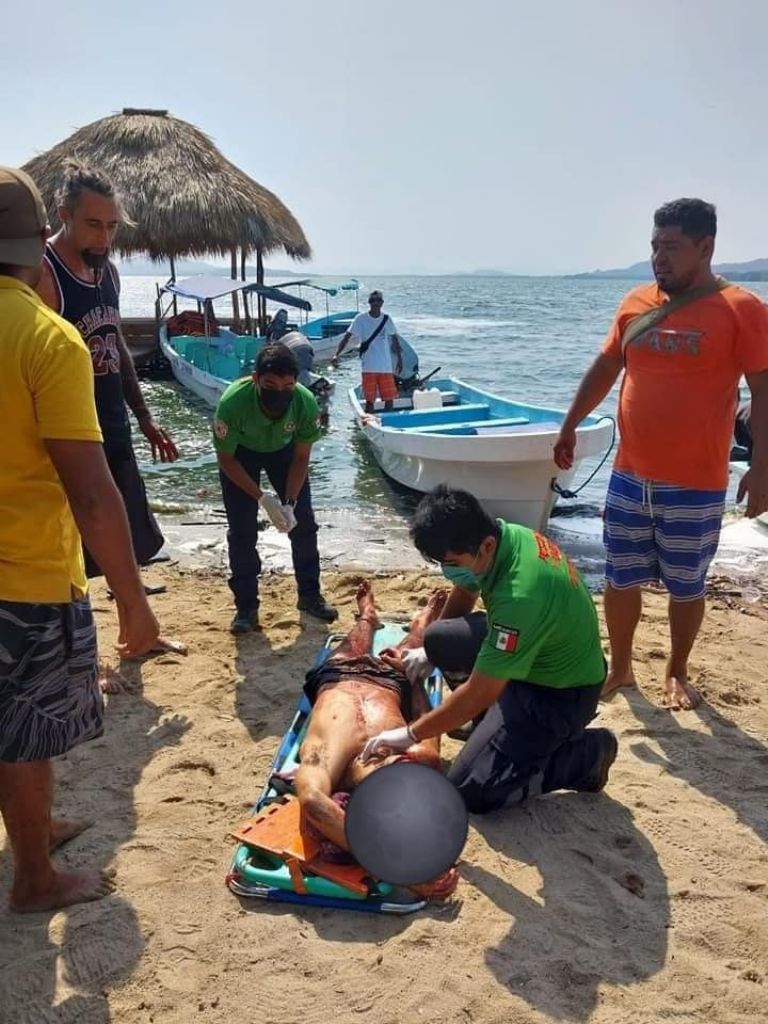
510 472
199 382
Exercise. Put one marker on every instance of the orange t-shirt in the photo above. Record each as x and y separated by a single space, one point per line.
678 397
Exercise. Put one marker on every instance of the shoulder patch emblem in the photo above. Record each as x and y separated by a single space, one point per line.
220 429
504 638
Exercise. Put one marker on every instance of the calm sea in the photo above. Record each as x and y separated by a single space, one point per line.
526 338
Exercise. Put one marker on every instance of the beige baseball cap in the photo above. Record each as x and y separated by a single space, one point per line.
22 219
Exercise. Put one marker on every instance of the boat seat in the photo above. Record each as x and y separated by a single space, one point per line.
197 354
410 418
252 347
226 367
405 402
472 426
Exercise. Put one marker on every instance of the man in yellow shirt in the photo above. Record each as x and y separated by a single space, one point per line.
54 481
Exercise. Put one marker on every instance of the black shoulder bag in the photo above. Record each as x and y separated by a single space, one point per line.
365 345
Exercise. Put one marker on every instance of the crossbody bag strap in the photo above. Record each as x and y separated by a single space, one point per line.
645 321
369 341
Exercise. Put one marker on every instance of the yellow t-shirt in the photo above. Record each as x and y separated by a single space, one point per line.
46 392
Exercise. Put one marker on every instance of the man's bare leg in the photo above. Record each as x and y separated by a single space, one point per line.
424 617
622 614
359 640
26 793
685 618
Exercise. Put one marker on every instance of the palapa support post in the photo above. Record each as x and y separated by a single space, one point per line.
173 278
262 300
246 304
235 302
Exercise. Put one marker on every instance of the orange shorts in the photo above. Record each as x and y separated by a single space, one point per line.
384 383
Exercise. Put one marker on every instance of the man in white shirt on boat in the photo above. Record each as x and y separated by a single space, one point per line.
380 351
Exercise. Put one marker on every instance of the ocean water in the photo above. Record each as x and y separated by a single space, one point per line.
526 338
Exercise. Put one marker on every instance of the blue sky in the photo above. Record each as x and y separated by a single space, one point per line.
408 137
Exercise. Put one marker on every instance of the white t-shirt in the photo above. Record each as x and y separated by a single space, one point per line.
379 357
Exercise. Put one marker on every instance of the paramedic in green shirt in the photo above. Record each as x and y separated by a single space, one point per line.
532 661
269 422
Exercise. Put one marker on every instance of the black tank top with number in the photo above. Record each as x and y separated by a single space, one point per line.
95 312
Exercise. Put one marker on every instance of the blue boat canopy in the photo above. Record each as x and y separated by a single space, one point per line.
327 285
283 298
205 287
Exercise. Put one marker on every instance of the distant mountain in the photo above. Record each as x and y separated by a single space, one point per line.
752 270
186 268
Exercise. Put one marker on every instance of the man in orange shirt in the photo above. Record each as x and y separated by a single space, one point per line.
676 411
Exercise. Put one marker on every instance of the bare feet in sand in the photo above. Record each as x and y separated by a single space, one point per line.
163 646
62 889
112 681
62 831
680 695
616 681
365 606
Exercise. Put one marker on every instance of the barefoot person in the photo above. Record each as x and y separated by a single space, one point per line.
354 696
676 413
54 480
533 664
80 282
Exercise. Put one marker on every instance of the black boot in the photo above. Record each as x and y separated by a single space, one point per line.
318 607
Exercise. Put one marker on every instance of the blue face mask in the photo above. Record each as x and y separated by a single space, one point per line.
460 576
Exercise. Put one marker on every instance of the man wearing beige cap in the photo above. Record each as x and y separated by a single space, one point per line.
54 480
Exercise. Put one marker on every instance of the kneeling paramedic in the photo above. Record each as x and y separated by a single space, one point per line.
532 662
269 422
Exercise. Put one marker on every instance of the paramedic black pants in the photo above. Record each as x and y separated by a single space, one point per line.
532 740
243 533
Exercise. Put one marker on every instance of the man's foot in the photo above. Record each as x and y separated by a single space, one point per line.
112 681
318 608
680 695
616 681
62 831
62 890
598 777
366 607
165 646
244 622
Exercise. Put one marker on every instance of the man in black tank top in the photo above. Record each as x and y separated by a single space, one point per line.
81 284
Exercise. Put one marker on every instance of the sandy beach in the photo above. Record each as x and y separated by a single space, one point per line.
646 903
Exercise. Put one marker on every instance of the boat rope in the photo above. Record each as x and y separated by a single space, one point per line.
563 491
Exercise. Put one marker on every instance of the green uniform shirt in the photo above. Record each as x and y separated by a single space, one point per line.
542 623
240 420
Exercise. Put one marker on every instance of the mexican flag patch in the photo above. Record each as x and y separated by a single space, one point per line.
505 638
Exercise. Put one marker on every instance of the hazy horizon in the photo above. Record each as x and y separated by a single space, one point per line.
422 139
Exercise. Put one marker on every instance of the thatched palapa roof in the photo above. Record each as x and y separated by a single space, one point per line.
184 196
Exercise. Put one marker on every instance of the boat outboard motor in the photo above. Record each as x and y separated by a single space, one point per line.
278 326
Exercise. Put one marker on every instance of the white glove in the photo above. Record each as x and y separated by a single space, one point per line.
393 740
416 664
290 517
274 510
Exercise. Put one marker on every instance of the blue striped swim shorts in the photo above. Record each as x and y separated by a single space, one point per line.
657 532
50 698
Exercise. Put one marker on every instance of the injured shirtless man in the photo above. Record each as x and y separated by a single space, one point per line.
355 696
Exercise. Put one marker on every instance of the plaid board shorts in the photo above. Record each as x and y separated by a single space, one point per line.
656 532
49 692
384 383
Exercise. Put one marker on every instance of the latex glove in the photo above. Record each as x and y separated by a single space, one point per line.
416 665
290 517
274 510
392 740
